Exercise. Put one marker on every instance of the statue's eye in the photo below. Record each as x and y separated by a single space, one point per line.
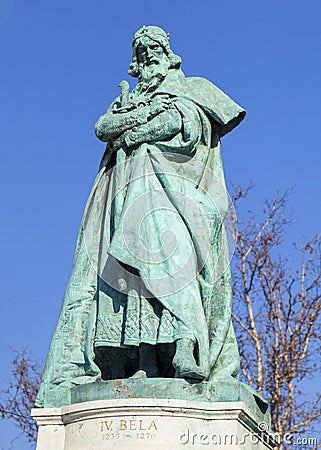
141 50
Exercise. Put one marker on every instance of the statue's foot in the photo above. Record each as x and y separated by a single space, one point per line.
184 362
139 374
191 373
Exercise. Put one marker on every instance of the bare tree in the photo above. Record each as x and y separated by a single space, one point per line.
19 397
277 311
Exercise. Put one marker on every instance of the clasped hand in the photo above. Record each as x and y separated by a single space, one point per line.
157 105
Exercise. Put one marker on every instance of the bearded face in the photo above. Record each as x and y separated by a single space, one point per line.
153 63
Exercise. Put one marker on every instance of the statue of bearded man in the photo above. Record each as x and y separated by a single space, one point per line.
150 294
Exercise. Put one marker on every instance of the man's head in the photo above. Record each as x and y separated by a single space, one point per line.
152 55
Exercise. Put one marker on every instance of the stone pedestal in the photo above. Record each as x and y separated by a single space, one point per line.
155 413
151 424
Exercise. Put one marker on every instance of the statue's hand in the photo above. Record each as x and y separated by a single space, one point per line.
122 140
119 142
159 104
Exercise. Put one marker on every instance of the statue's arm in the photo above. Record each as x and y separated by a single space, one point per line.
111 125
163 126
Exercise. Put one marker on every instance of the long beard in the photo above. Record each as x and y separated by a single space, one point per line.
151 76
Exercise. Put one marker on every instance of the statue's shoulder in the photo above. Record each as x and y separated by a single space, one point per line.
214 102
205 91
199 81
177 83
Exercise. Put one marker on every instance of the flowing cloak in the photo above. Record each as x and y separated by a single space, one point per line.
158 210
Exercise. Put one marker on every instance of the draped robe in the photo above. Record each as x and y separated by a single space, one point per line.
151 261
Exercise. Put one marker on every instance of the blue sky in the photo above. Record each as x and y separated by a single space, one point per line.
61 64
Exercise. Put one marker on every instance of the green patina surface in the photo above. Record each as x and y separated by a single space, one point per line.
180 389
165 388
150 291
